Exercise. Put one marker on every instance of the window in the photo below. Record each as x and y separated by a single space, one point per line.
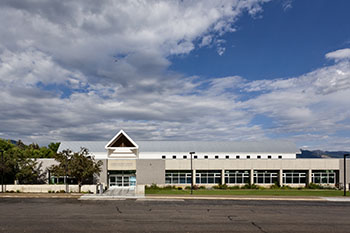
227 156
280 156
258 157
237 156
185 156
195 157
177 177
205 156
248 156
323 177
269 156
265 177
236 177
174 156
294 177
163 156
208 177
216 156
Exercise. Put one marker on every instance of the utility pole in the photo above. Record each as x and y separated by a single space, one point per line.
66 177
2 171
191 153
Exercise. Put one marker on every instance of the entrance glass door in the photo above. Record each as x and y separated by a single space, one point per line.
122 180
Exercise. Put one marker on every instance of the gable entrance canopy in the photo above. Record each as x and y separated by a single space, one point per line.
121 140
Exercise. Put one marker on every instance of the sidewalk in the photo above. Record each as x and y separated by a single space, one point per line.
235 197
155 197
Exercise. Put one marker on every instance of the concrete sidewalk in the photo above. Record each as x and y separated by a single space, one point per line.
154 197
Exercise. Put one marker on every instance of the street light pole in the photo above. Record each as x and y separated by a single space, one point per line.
345 155
2 171
66 177
191 153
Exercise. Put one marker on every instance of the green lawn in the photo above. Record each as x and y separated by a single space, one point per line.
257 192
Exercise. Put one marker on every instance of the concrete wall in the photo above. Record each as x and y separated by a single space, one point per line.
121 164
102 178
341 172
45 188
149 171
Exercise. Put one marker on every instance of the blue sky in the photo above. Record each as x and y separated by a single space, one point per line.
232 70
276 44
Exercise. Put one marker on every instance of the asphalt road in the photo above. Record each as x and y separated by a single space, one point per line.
71 215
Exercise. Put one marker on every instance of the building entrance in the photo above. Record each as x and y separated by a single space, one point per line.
122 179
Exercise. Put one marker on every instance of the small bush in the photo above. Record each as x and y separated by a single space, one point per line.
250 186
17 191
317 186
154 186
179 188
220 186
275 186
234 187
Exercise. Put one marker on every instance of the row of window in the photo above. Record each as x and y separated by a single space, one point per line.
243 177
217 157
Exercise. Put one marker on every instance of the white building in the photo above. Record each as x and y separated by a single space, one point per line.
127 162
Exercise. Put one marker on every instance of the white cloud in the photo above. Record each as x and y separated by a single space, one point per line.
109 60
339 54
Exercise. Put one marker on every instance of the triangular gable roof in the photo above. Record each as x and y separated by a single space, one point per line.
121 138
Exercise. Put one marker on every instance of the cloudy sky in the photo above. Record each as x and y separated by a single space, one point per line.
176 70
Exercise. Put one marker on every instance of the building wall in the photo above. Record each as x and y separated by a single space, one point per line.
102 178
341 172
150 171
211 155
256 164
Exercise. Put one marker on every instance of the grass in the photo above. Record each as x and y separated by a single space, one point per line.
244 192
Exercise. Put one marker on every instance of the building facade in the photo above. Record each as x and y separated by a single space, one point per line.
127 163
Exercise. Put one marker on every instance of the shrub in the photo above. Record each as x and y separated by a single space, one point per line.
234 187
220 186
317 186
154 186
250 186
179 188
275 186
17 191
314 186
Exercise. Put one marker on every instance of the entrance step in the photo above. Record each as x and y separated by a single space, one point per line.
120 191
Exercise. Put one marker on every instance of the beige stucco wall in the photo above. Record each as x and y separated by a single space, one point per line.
150 171
121 164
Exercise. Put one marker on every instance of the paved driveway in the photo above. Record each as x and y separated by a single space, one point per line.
71 215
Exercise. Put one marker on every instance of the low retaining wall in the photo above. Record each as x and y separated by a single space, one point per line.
45 188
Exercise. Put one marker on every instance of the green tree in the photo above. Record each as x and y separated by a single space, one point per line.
80 165
17 166
53 146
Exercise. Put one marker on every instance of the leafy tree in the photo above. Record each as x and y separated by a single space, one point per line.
79 165
53 146
20 163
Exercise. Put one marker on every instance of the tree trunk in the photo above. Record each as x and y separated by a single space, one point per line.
79 186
